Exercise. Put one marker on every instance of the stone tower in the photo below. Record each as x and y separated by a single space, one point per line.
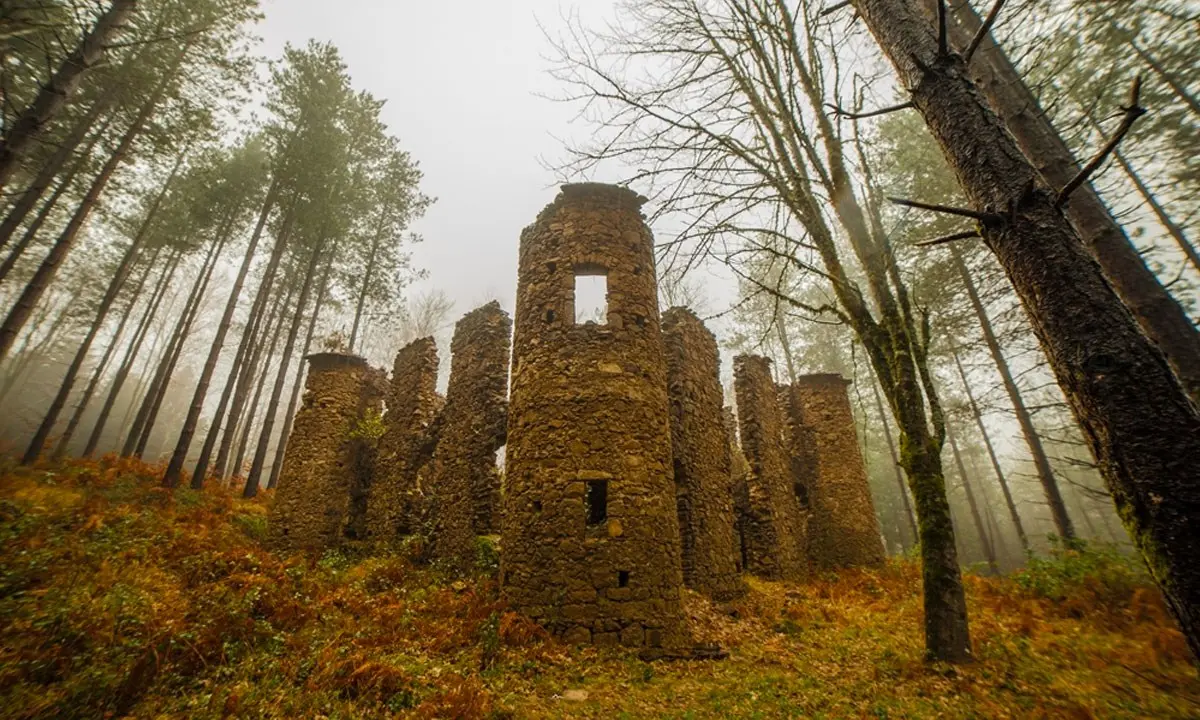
842 529
320 464
702 455
589 528
775 524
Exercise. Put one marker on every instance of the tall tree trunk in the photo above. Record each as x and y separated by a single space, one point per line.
1141 426
89 390
241 378
241 372
27 354
174 471
54 164
264 435
366 285
131 354
985 543
785 344
53 96
1041 463
58 252
991 452
264 357
1173 228
39 220
298 380
900 485
1157 312
106 303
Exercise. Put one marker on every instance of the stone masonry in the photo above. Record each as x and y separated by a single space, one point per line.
473 424
590 535
404 449
703 483
842 530
775 524
320 464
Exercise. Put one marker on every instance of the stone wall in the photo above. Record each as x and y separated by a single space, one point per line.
406 445
842 530
590 536
700 446
774 525
321 462
472 426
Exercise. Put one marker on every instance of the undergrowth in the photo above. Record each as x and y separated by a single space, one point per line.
118 598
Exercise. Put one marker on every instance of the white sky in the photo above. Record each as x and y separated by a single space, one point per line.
462 82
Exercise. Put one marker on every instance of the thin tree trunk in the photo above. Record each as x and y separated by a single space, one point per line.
54 95
110 296
991 452
45 177
1143 429
298 380
366 285
41 349
241 373
1173 229
35 227
1160 316
49 267
1041 463
131 354
900 485
785 344
174 471
985 542
241 377
264 358
64 440
264 436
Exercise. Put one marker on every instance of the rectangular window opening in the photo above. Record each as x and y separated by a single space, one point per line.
622 578
591 295
597 501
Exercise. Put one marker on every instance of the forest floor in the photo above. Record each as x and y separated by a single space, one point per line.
120 599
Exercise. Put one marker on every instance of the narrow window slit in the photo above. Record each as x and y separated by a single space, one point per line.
597 501
622 578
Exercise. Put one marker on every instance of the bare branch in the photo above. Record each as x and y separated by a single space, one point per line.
837 111
984 29
1133 111
963 212
948 238
834 8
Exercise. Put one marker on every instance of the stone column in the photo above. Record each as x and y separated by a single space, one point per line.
465 483
775 523
700 446
842 530
590 538
321 462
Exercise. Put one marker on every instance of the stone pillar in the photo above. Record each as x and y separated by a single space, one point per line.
776 518
842 529
590 536
406 445
321 462
472 427
700 446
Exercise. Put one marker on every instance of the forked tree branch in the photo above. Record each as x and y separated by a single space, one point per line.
837 111
1133 111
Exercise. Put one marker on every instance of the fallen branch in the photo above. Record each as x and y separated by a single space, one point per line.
984 29
982 217
1133 111
948 238
872 113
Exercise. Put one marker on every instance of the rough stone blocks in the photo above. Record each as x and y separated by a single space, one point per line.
590 538
700 446
842 529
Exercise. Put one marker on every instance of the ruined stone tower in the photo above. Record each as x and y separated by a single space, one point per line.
700 445
472 427
842 529
406 445
590 536
774 527
320 465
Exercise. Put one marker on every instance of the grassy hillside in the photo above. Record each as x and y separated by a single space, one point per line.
120 599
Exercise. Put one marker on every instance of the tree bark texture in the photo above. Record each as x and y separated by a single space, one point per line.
900 486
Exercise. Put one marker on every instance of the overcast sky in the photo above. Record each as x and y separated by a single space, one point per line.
461 80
